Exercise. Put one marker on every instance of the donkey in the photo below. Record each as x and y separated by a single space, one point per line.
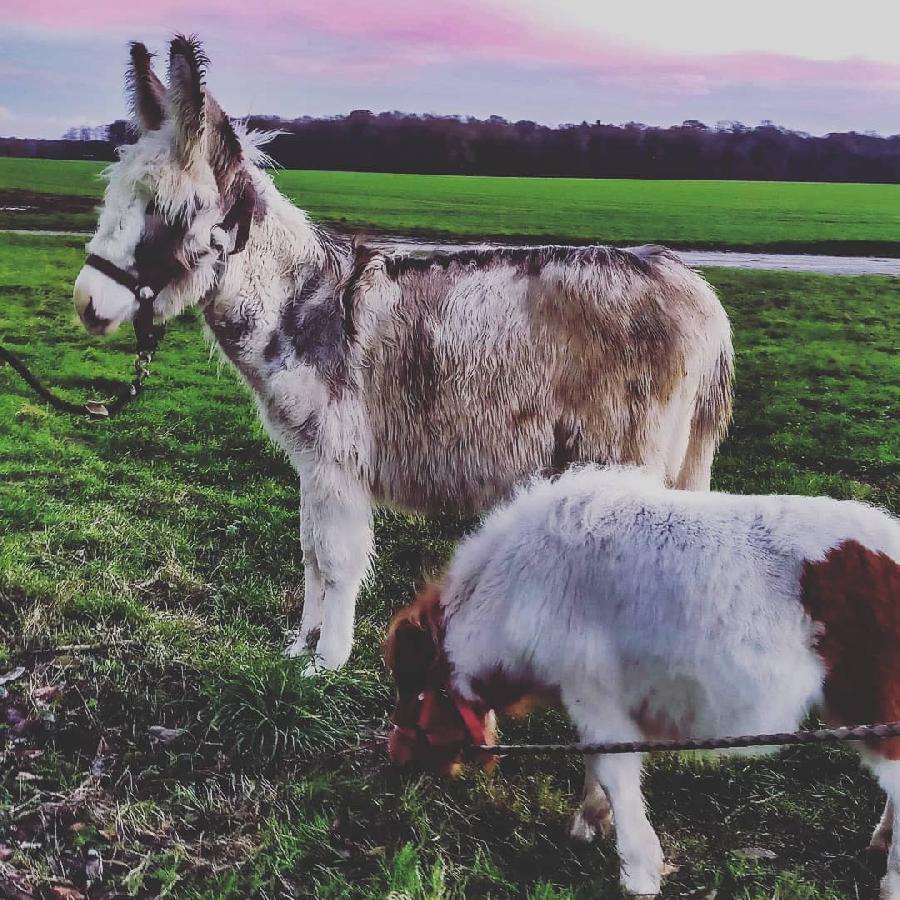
432 383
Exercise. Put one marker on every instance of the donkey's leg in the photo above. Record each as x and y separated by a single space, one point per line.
640 854
342 532
313 586
696 470
595 813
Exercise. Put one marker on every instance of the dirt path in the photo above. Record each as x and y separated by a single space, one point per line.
785 262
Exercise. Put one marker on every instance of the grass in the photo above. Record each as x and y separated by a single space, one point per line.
200 764
783 216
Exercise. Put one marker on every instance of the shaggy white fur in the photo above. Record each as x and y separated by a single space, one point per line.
656 614
428 384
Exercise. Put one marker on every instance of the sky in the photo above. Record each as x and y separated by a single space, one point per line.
811 66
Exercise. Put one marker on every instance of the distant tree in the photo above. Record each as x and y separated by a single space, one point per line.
397 142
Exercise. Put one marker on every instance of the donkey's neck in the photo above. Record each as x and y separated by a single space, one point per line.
284 252
284 245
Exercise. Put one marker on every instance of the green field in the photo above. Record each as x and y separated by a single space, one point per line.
165 543
825 218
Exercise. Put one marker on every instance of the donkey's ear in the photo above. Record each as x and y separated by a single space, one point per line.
146 93
187 72
223 147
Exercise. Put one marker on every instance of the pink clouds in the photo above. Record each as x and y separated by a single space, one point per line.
358 39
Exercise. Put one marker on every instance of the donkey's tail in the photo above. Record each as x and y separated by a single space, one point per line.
712 416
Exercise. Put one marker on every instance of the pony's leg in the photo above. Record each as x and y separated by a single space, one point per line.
640 854
313 586
888 773
342 533
884 830
595 813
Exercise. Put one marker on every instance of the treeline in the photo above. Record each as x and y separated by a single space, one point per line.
395 142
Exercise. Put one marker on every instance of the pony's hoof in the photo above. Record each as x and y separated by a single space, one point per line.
581 830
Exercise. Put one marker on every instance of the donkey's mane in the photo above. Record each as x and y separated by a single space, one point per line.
531 260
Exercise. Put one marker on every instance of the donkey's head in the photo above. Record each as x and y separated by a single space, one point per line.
177 203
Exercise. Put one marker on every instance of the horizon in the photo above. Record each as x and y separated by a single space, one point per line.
554 64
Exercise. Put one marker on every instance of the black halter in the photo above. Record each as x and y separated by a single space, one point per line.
149 335
146 333
145 294
120 276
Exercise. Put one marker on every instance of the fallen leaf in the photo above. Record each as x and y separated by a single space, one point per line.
14 675
20 723
164 735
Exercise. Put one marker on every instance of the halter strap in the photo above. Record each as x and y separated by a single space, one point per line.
236 216
117 274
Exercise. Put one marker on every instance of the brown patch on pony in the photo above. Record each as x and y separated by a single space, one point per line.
513 695
657 724
92 321
414 637
854 594
315 332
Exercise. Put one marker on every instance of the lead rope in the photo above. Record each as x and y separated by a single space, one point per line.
879 731
147 335
147 339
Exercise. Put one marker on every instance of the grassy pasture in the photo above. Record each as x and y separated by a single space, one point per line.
166 541
824 218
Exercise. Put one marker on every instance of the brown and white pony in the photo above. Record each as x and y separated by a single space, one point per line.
429 383
653 614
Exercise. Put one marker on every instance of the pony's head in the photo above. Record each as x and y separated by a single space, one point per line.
432 723
177 202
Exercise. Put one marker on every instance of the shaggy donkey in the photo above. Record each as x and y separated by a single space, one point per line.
432 383
657 614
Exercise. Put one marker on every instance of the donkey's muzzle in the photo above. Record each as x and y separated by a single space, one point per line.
101 303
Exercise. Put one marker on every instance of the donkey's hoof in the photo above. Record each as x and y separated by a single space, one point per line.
304 644
296 648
